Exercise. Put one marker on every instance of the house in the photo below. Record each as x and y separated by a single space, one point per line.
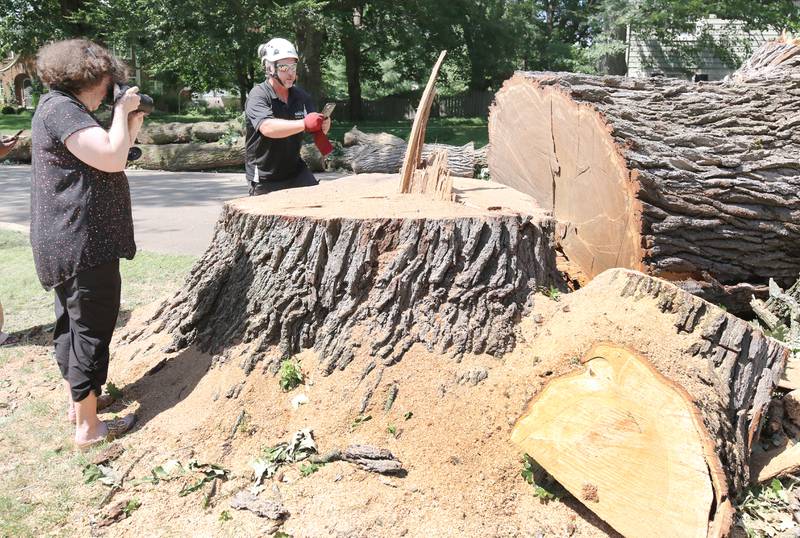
16 77
649 57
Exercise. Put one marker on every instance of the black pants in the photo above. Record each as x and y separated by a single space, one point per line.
303 179
87 306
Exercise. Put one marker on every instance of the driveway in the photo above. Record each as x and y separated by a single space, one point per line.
173 212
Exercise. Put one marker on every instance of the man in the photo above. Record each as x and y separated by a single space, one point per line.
277 113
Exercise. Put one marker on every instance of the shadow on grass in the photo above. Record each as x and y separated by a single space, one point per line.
42 335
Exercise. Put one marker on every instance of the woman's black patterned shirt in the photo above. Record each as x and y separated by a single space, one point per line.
80 216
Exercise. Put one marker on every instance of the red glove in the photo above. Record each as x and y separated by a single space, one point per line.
321 141
313 122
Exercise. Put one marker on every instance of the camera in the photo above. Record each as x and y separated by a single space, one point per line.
145 101
145 105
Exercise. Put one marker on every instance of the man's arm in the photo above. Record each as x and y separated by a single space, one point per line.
278 128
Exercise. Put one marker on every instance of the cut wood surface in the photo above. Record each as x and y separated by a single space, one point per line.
624 441
681 180
779 461
665 348
352 263
417 137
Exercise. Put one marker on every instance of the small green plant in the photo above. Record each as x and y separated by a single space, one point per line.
543 484
391 429
290 375
359 421
307 469
408 415
113 391
553 293
224 516
131 506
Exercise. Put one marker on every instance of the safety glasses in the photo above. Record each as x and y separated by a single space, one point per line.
287 68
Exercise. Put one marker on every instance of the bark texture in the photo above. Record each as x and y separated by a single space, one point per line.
293 280
191 156
182 133
388 158
678 179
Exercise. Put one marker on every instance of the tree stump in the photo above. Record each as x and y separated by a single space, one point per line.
351 264
683 181
660 416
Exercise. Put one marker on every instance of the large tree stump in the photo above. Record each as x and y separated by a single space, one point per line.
352 264
680 180
660 417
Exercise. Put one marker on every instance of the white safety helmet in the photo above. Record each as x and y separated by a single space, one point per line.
277 49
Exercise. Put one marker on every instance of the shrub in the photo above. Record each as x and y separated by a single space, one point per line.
7 109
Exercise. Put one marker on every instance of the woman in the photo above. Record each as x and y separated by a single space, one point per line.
81 223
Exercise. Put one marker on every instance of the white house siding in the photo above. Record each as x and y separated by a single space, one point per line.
647 57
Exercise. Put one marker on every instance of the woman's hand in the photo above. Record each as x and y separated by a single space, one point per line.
128 102
135 120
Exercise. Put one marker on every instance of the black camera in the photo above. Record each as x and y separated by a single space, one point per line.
145 105
145 101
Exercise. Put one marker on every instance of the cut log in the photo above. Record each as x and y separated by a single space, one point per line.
354 137
353 265
388 158
192 156
183 133
22 150
660 417
680 180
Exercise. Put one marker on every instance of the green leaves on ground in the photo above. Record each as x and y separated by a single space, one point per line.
766 510
209 471
290 374
545 486
105 474
113 391
307 469
131 506
359 420
225 516
299 448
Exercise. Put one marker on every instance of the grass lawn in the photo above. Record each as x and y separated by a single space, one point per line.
26 305
11 123
455 131
44 485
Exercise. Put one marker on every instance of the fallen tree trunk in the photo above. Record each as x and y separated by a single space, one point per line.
680 180
388 158
662 409
352 265
192 156
354 137
183 133
22 150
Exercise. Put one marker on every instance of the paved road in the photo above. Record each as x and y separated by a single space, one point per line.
173 212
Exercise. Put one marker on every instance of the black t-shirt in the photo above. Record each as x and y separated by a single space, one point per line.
276 159
80 216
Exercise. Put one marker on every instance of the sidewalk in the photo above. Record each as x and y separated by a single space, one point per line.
173 212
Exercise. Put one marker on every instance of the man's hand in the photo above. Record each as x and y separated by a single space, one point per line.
128 102
313 122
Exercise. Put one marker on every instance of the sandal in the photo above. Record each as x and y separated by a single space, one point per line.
115 429
103 401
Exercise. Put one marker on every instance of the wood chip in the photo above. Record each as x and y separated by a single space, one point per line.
244 500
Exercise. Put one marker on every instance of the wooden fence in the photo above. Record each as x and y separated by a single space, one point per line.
467 105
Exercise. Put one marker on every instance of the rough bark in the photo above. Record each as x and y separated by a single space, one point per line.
681 180
181 133
352 265
722 367
388 158
192 156
354 137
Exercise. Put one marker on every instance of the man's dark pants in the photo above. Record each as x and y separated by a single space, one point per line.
303 179
87 306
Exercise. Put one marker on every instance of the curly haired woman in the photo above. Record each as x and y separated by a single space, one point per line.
81 223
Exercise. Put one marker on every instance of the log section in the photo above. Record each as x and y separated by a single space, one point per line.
681 180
